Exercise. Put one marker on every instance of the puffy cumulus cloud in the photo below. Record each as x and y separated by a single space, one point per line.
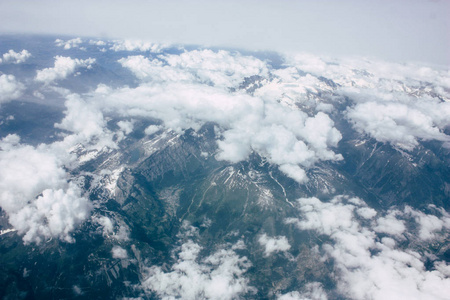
126 126
152 129
284 135
294 172
390 224
97 42
275 244
400 104
188 90
311 291
332 217
119 252
361 72
69 44
10 88
15 57
402 124
87 125
114 229
54 214
366 265
293 88
138 45
221 69
217 276
36 193
64 66
154 70
430 225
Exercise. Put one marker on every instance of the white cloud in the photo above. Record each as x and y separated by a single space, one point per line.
221 69
119 252
64 66
152 129
97 42
366 268
115 229
126 126
329 217
137 45
390 224
87 124
154 70
69 44
311 291
54 214
430 225
15 57
217 276
36 193
10 88
275 244
366 212
187 90
400 104
402 124
284 135
294 172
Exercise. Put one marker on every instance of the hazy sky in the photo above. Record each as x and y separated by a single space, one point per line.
413 30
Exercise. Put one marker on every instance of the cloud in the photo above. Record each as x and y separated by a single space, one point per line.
311 291
390 224
119 252
10 88
279 114
138 45
112 228
368 266
152 129
69 44
126 127
15 57
64 66
36 193
97 42
284 135
401 104
217 276
275 244
294 172
154 70
221 68
402 124
190 89
430 225
87 125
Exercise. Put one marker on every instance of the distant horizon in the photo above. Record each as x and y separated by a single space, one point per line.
416 31
242 50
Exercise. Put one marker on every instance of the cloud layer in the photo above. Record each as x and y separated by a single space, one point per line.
191 89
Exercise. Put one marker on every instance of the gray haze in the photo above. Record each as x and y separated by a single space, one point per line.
415 30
